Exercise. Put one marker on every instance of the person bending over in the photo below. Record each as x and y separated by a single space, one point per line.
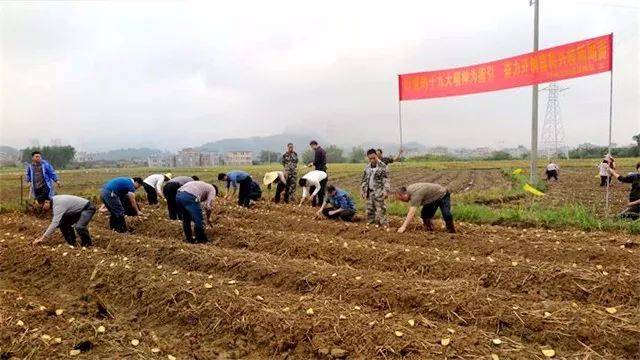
153 186
118 196
313 186
278 179
170 190
69 212
431 197
239 181
191 196
632 209
338 205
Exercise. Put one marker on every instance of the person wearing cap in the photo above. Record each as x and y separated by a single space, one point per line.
118 196
239 181
69 212
153 186
290 164
191 198
170 190
277 178
338 205
313 186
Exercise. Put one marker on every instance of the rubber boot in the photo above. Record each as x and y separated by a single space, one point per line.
450 227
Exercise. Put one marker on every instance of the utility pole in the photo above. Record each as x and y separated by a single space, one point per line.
534 98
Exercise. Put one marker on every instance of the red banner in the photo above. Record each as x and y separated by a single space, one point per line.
572 60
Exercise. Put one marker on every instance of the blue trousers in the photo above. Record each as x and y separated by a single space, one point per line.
190 211
118 206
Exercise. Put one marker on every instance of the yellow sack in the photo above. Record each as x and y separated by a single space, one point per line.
517 171
531 189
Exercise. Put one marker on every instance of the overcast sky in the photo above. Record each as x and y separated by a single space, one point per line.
103 75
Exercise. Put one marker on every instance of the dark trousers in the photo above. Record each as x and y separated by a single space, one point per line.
190 211
552 174
81 220
255 193
280 187
429 210
632 213
346 215
152 194
41 193
319 199
118 205
604 179
170 190
243 192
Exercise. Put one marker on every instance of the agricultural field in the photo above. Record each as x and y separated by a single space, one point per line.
276 283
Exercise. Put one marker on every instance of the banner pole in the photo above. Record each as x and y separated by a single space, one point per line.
607 196
400 110
534 100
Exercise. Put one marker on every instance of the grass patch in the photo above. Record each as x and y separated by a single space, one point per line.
568 216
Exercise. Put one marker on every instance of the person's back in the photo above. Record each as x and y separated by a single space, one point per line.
425 193
343 200
120 185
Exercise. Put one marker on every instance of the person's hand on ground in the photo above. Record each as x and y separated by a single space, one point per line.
402 229
139 213
38 241
333 212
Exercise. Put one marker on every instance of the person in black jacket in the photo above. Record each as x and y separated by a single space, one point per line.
632 210
319 157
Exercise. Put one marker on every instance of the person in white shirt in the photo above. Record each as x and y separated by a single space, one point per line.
603 171
552 171
313 186
153 186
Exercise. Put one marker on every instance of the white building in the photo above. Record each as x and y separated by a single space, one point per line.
238 158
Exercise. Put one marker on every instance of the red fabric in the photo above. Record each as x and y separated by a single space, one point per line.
572 60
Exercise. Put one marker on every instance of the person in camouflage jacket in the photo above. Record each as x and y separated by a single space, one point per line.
375 189
290 163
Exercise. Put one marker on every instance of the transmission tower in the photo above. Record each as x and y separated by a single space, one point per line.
552 131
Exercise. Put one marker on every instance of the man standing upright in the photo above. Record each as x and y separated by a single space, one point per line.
319 157
41 176
290 163
375 188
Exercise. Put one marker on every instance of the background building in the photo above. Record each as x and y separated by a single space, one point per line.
238 158
185 158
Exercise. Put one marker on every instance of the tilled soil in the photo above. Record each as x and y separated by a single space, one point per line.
275 283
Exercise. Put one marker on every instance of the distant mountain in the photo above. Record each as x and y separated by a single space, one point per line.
258 143
128 154
8 150
389 149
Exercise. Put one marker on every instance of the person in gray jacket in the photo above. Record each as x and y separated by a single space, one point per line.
69 211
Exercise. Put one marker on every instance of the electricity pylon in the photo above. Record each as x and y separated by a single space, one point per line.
553 131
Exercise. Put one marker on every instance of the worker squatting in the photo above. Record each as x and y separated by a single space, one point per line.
187 196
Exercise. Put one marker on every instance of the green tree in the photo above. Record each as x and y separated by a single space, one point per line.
499 155
357 155
307 156
267 156
335 154
58 156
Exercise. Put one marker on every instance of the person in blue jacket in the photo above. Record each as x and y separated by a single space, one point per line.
238 179
118 195
338 205
41 176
